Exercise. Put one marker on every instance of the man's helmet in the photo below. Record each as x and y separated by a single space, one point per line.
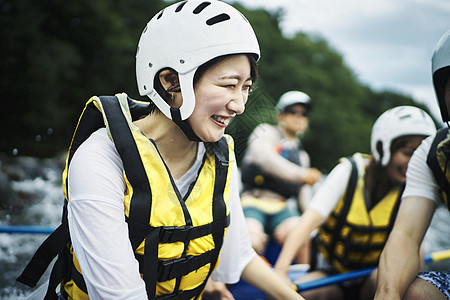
397 122
293 97
440 63
184 36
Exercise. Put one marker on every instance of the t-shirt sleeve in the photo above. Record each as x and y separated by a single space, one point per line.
331 190
420 181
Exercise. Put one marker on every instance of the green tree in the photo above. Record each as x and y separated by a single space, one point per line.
55 56
343 109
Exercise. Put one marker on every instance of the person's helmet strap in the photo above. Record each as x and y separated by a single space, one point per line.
184 125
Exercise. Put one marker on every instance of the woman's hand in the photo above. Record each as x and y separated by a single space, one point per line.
216 290
311 176
283 273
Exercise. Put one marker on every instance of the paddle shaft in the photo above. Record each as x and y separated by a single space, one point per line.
305 286
333 279
26 229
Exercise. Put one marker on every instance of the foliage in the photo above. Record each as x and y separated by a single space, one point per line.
343 109
57 54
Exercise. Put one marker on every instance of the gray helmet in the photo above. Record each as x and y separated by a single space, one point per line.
440 64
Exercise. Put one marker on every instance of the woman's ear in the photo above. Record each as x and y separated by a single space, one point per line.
169 80
171 85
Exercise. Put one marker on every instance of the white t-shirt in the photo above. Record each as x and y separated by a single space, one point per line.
334 186
99 232
420 181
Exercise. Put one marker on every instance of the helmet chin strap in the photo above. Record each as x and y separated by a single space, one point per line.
184 125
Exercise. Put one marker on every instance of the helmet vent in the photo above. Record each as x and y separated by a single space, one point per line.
180 6
405 117
217 19
201 7
160 15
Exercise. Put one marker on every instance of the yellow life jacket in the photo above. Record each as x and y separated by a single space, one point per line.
176 240
438 160
352 236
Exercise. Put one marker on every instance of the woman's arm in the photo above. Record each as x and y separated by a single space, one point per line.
400 259
309 221
261 276
97 224
317 210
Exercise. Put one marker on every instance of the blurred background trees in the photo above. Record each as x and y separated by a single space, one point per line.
56 54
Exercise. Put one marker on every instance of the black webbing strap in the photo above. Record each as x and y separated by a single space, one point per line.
172 234
168 270
78 279
348 199
150 263
59 272
432 162
90 121
173 268
40 261
220 148
138 109
184 125
182 295
140 205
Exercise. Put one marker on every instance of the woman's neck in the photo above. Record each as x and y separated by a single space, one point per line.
377 183
177 151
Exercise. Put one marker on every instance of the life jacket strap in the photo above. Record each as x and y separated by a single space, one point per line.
433 164
40 261
172 234
351 187
140 207
182 294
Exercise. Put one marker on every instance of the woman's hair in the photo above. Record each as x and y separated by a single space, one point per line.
215 61
198 74
377 181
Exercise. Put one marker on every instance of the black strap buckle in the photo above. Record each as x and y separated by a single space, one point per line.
165 268
173 234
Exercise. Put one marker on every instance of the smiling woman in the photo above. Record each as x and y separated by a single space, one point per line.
152 188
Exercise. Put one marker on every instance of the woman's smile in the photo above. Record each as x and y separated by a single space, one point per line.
221 121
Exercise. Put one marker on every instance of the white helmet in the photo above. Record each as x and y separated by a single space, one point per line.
185 35
397 122
439 61
293 97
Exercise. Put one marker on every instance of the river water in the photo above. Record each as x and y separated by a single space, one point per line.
31 194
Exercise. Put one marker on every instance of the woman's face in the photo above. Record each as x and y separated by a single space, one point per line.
220 94
396 169
295 119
